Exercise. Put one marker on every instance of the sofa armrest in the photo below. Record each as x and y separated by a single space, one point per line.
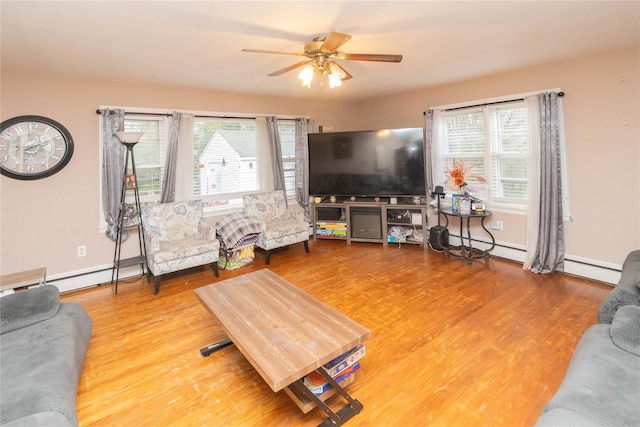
618 297
152 242
625 329
626 292
25 308
208 231
630 277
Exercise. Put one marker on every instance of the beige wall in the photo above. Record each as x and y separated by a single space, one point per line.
42 222
601 114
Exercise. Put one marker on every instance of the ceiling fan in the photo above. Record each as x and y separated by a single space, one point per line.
321 53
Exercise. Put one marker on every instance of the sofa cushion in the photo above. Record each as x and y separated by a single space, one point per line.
25 308
602 383
40 419
625 329
41 366
171 250
173 221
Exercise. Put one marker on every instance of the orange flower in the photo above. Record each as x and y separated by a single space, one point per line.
459 172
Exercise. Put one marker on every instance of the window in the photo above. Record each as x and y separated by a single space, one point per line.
148 155
492 142
287 130
224 160
509 153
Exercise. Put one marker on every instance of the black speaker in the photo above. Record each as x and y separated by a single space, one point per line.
439 237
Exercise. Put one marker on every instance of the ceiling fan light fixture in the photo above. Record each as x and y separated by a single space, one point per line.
319 54
334 80
306 75
336 74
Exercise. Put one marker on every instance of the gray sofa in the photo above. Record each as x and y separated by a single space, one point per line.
602 383
42 348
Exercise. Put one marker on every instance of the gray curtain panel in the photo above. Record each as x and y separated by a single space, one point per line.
112 169
549 253
303 127
276 155
428 139
169 180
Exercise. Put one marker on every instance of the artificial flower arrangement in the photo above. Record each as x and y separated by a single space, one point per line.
458 179
460 173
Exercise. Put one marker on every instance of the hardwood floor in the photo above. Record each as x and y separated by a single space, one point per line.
485 345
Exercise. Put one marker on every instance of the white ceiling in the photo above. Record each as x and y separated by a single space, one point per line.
198 44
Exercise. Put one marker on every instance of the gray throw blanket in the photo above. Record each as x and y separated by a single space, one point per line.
233 227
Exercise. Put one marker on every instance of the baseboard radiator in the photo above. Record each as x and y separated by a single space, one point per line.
589 269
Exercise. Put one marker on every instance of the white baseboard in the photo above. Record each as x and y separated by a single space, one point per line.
578 266
87 278
592 269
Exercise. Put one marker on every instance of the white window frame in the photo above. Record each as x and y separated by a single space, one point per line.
210 200
164 114
163 140
497 205
490 155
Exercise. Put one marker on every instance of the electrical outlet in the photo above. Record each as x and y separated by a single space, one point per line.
82 251
498 225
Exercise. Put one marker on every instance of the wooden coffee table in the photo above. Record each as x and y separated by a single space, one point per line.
284 333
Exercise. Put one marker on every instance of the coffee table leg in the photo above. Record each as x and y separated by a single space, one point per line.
352 408
206 351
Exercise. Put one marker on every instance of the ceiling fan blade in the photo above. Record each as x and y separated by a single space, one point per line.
370 57
347 75
272 51
333 41
292 67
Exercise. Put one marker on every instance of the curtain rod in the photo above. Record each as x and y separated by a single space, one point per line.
560 94
133 113
195 115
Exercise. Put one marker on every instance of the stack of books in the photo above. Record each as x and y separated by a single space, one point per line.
330 229
339 368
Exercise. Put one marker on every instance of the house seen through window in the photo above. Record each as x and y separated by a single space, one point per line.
224 161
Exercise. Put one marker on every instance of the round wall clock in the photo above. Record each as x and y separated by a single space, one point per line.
33 147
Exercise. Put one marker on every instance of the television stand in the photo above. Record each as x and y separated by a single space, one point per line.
370 221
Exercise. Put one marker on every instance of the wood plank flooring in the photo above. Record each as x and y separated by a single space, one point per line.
452 345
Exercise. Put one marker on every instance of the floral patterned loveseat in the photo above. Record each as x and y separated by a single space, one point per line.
177 237
280 226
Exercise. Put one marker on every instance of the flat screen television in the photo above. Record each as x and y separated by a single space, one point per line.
386 162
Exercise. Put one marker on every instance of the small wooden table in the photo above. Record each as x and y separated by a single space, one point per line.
37 276
284 333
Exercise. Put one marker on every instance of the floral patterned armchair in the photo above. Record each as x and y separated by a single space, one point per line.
177 237
280 226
